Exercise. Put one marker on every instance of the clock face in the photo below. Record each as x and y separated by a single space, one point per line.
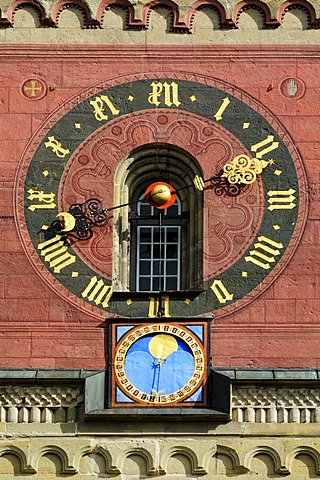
246 240
159 365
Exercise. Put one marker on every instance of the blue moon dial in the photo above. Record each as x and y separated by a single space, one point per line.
159 364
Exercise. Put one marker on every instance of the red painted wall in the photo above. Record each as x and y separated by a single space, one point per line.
40 329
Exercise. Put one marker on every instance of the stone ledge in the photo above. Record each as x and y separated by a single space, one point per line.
236 374
45 374
260 374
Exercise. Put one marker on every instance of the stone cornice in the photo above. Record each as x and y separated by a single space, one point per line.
111 51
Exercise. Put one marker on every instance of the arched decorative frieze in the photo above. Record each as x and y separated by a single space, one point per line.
36 7
278 466
54 450
231 454
244 5
208 455
125 5
182 459
93 452
57 9
302 5
213 4
175 25
184 452
25 467
308 452
143 459
138 16
143 23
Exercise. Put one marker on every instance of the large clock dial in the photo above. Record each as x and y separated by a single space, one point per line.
247 239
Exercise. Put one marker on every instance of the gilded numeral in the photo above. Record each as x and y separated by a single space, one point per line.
221 291
198 183
46 199
281 199
265 146
220 111
164 92
98 292
264 252
99 104
154 306
56 147
55 251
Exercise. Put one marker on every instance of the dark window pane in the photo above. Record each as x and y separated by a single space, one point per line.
156 235
155 284
145 268
172 235
155 268
172 211
144 284
145 210
171 283
156 251
145 235
172 251
145 251
172 268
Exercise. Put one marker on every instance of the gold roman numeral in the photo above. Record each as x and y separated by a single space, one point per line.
98 292
164 92
55 251
220 111
221 292
46 199
154 306
281 199
264 252
99 105
56 147
265 146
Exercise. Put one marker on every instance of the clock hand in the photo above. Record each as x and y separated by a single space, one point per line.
156 390
82 217
242 170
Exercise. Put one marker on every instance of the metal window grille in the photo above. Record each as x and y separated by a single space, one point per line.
158 248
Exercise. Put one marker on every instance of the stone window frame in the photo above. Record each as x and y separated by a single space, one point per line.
174 165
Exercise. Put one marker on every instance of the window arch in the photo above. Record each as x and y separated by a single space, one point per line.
145 165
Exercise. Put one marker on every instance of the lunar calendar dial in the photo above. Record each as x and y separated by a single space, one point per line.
160 364
247 239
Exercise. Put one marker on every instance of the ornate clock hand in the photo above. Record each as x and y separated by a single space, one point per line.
242 170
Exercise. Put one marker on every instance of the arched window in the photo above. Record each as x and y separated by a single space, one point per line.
144 259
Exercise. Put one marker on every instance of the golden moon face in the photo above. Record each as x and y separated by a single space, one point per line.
68 220
160 194
162 345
